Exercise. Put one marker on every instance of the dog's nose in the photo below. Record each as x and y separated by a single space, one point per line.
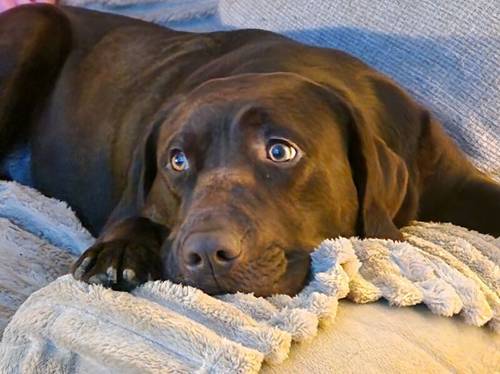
204 252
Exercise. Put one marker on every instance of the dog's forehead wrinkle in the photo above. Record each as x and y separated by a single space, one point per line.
251 81
229 174
215 132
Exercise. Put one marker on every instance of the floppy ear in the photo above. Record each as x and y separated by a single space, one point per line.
381 178
143 168
142 172
380 175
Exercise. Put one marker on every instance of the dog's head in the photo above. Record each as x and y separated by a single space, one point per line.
250 173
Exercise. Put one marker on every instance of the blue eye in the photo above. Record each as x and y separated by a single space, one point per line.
281 152
179 161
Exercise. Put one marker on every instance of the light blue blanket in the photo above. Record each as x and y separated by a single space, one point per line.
446 53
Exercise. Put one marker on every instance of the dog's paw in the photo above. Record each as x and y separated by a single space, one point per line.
121 265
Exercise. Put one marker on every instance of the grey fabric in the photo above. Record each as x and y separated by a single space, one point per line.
377 338
191 15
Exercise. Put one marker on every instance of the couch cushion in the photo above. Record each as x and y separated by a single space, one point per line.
378 338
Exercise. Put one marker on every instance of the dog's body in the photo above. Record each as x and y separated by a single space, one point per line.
164 143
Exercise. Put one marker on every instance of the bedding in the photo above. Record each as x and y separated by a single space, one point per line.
163 327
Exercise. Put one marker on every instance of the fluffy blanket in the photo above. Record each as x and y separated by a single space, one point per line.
69 326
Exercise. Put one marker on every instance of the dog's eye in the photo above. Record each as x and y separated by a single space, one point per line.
179 161
280 151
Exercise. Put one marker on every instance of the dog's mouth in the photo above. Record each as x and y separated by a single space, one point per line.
274 271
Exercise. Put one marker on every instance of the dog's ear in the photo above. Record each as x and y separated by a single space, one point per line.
142 172
141 175
381 178
380 175
143 168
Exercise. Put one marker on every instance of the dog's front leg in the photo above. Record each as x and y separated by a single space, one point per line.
125 255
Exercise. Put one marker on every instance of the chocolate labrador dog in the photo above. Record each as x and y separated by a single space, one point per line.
220 160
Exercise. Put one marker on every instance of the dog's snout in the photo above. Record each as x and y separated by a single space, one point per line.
205 252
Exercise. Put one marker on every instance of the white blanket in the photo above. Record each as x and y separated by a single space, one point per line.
163 327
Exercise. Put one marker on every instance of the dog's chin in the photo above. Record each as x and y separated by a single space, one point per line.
287 275
288 285
292 281
210 288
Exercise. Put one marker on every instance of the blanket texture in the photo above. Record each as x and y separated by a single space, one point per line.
69 326
191 15
446 53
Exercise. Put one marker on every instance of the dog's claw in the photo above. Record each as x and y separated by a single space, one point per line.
83 267
129 275
112 274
